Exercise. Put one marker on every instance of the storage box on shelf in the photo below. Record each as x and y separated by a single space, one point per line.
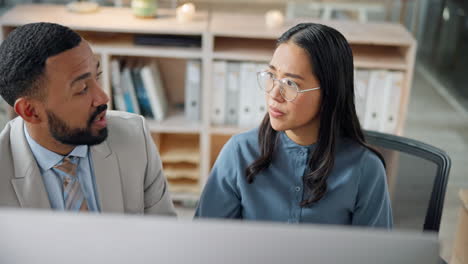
236 40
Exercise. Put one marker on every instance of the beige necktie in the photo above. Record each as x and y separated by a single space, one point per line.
72 193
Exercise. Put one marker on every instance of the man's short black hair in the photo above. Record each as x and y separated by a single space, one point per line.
23 55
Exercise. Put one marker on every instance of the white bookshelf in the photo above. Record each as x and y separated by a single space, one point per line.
175 123
226 130
133 50
225 36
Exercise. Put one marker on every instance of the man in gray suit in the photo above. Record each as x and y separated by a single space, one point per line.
65 151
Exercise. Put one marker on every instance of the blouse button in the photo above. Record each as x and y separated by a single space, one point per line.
297 188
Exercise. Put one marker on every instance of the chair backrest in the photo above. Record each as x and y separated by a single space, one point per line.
417 175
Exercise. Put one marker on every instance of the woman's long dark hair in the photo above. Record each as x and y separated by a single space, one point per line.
331 59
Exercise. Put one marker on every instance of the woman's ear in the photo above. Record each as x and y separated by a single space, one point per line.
27 109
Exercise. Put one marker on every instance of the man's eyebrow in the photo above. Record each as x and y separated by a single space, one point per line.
292 75
85 75
81 77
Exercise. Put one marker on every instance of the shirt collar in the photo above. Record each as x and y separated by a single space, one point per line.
289 144
80 151
45 158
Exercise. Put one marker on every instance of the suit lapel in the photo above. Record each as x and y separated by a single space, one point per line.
27 182
108 181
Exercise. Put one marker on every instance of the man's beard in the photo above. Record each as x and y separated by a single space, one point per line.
76 136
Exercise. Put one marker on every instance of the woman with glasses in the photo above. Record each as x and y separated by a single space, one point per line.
308 161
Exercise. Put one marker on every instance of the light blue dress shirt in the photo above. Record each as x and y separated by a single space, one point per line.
357 190
53 183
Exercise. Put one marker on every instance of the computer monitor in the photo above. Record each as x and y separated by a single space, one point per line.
42 237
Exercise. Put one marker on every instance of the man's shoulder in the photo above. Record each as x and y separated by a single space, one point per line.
119 117
6 132
124 122
5 136
10 134
123 126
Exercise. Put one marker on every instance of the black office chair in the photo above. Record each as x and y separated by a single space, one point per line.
417 176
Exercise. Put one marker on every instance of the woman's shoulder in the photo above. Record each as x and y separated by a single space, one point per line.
365 162
246 139
359 154
243 146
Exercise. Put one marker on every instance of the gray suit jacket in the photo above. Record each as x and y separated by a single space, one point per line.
127 168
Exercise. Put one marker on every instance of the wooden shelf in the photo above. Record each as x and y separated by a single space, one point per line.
188 197
379 57
217 143
228 130
386 34
253 26
180 155
365 56
123 45
244 55
107 19
190 190
178 148
175 123
141 51
242 25
243 49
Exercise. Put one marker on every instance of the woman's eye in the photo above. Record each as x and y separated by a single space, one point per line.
290 83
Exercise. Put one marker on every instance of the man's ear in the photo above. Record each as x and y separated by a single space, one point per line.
27 109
